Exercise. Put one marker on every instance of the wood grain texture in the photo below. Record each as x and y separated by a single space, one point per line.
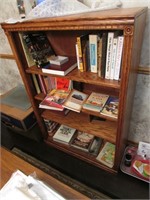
7 168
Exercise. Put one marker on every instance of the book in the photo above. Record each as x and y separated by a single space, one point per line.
51 126
75 100
63 69
107 154
118 57
93 40
99 56
109 54
104 53
54 100
36 83
113 60
96 145
111 107
64 134
63 83
38 46
42 83
95 102
58 60
82 141
28 55
81 42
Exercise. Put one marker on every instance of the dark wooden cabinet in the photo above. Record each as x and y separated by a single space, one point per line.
62 33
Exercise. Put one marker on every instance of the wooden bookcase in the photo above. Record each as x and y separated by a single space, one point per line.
62 33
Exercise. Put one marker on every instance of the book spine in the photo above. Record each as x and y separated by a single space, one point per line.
114 50
99 57
93 52
42 84
109 54
80 54
118 57
36 84
104 51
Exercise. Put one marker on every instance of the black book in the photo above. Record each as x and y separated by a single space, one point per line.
104 50
39 47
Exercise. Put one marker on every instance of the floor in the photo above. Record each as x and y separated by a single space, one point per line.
116 186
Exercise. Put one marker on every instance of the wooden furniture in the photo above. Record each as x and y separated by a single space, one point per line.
7 168
62 31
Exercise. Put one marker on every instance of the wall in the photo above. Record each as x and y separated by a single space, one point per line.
140 123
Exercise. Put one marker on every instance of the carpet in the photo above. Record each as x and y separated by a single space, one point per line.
80 187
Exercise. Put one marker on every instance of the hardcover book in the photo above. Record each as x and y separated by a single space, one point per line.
111 107
54 100
75 100
95 102
64 134
63 69
82 141
107 154
39 46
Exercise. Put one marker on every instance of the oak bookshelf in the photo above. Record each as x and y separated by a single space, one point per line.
64 30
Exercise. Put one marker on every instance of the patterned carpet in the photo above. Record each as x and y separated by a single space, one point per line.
92 194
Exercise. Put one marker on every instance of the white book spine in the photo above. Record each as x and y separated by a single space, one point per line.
109 54
118 57
93 52
113 59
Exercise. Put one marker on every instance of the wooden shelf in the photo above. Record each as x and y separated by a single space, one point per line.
81 121
84 77
78 153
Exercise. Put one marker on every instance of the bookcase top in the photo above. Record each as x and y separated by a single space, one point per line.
79 21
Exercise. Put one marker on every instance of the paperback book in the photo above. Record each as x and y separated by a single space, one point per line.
107 154
54 100
82 141
64 134
95 102
75 100
111 107
51 126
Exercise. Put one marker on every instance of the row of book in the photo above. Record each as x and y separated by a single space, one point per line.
100 53
60 99
104 152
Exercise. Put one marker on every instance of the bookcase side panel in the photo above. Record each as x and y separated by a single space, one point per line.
131 60
18 52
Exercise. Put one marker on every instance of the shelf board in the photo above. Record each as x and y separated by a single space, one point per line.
105 129
78 153
84 77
